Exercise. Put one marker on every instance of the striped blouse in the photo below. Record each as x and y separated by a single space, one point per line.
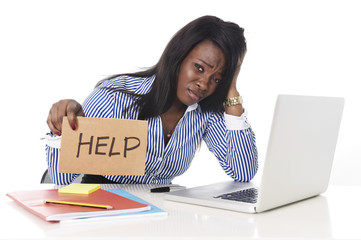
229 138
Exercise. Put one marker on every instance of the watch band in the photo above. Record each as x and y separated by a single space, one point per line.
232 101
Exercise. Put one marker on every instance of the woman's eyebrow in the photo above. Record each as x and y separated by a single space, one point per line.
209 65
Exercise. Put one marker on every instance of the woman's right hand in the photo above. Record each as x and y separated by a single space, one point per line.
66 107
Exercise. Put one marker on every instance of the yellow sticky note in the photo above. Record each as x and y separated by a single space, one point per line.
80 188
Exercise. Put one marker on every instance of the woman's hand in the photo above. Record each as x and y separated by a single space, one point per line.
232 92
67 107
236 110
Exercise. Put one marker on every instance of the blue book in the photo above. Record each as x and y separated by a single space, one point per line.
153 212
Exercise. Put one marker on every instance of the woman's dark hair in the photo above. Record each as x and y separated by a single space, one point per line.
227 36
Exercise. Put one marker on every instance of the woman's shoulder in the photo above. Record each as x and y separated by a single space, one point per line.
134 84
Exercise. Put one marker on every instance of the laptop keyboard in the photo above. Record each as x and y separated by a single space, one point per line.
247 195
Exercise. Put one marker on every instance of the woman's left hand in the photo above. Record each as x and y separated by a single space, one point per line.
232 92
236 110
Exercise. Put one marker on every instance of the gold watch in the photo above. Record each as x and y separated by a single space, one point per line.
232 101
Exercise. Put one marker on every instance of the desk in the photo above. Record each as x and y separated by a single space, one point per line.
326 216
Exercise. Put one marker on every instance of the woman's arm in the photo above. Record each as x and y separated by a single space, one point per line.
71 109
52 150
236 110
233 142
231 139
100 104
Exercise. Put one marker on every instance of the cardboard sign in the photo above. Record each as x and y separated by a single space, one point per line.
104 146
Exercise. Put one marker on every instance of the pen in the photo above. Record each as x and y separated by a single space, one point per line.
79 204
165 189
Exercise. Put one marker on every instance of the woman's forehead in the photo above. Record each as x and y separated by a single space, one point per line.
209 53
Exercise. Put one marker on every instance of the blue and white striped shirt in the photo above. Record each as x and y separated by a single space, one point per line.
229 138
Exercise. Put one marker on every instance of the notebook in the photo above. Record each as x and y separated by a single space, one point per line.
35 202
298 160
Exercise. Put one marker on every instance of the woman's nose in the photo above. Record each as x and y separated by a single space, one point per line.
202 84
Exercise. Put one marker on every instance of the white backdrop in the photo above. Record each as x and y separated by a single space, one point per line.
51 50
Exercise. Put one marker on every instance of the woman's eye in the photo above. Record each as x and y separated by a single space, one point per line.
216 80
199 67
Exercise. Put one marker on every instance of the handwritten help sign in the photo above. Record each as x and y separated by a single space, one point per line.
104 146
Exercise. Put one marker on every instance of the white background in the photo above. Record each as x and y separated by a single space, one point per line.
50 50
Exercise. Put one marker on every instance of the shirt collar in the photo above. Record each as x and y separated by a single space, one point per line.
192 107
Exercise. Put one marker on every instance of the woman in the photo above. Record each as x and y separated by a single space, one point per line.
189 95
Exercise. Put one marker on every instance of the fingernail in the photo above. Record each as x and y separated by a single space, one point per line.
57 133
73 126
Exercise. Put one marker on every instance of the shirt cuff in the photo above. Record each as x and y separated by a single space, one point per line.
235 122
53 140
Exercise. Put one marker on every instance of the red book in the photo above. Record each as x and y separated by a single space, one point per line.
34 201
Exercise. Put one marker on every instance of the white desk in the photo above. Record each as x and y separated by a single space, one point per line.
326 216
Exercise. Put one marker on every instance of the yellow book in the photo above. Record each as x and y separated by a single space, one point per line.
80 188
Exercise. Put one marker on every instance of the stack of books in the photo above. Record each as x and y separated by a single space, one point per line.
83 202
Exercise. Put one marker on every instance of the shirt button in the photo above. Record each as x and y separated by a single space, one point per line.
160 159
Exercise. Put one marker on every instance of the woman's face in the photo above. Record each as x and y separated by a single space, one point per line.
200 73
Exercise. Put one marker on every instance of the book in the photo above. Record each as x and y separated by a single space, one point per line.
80 188
34 201
154 212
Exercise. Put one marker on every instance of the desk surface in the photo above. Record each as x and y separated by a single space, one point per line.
326 216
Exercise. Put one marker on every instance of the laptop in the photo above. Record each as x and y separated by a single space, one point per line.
298 160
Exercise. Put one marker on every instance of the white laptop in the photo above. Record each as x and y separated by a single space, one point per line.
298 161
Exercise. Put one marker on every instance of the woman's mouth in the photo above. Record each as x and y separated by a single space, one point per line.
195 96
